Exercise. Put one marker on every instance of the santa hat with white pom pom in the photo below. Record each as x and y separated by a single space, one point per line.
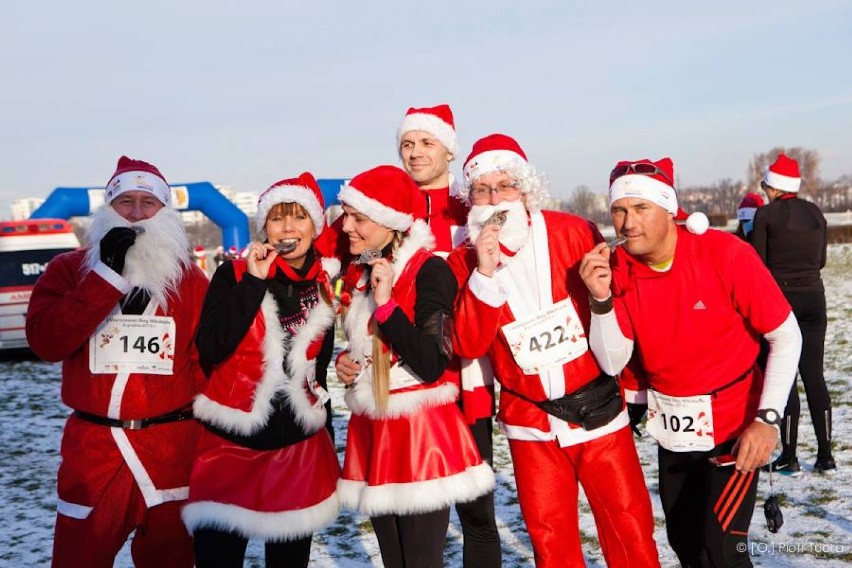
653 181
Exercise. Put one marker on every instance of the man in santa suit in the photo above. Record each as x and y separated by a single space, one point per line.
121 314
522 302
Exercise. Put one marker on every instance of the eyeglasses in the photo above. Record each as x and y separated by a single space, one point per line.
483 192
640 168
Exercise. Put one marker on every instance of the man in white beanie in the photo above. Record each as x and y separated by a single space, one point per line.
427 143
523 305
121 315
694 304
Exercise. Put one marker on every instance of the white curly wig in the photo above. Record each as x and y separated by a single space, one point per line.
500 153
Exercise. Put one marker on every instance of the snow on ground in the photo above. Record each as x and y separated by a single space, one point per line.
817 509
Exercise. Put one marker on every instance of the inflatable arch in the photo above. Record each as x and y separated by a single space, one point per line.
66 202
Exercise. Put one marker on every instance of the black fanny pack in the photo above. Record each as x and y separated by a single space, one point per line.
591 406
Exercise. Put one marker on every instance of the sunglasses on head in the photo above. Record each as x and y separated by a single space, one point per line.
641 168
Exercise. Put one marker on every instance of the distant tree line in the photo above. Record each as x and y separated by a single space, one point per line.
723 197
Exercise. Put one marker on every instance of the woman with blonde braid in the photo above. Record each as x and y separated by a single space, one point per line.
409 453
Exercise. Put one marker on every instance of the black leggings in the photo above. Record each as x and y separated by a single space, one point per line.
708 509
220 549
481 539
412 541
809 309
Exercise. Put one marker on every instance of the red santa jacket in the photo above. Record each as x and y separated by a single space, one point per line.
67 305
557 243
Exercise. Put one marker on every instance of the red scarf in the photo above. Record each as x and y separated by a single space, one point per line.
314 272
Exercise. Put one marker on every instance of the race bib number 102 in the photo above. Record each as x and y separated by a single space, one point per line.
681 423
133 344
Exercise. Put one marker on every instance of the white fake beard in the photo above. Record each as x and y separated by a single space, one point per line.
158 257
514 232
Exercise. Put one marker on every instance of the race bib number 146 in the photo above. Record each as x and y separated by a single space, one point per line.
133 344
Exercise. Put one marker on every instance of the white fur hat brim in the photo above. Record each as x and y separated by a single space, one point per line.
302 195
375 210
443 132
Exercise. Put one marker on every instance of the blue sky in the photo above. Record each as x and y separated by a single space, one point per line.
246 93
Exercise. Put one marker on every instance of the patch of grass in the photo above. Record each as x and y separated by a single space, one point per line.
823 496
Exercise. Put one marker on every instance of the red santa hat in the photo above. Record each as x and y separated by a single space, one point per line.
437 121
387 195
199 251
783 175
303 190
748 206
654 182
136 175
498 152
495 152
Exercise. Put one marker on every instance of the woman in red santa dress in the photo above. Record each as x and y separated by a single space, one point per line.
266 466
409 453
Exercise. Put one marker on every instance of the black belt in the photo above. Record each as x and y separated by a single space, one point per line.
176 416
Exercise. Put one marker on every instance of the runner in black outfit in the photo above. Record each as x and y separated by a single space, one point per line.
790 236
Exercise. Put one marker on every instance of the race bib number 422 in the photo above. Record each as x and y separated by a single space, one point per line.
550 338
133 344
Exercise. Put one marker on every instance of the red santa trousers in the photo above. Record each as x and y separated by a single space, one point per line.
161 539
547 477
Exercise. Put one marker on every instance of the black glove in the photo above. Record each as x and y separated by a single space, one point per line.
636 412
114 247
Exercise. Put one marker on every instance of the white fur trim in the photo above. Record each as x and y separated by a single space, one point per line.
476 373
492 161
644 187
300 194
112 277
355 325
360 399
150 493
636 397
310 416
275 343
330 266
349 492
138 180
73 510
697 223
119 385
277 526
374 209
426 496
442 131
487 290
781 182
562 432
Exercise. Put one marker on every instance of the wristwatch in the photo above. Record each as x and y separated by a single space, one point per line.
770 416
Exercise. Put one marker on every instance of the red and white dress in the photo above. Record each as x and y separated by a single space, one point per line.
417 455
282 493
